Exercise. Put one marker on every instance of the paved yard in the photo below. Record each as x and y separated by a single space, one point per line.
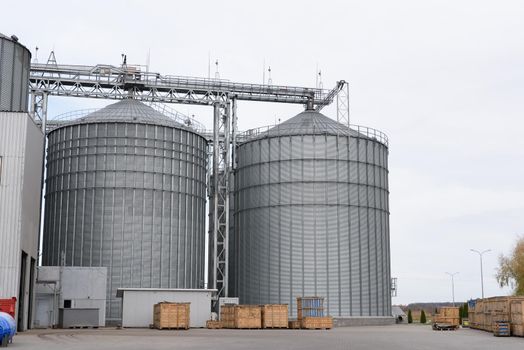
401 337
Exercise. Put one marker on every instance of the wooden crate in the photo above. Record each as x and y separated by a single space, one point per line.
517 330
171 315
227 316
446 320
212 324
317 322
248 316
294 324
448 315
310 307
517 318
449 311
496 309
274 315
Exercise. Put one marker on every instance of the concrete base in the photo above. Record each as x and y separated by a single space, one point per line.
364 321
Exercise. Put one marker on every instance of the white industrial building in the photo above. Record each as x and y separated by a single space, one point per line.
21 153
138 303
21 159
74 288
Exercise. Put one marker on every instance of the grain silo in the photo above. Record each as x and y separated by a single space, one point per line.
125 190
312 216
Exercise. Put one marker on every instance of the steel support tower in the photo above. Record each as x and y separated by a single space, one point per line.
125 81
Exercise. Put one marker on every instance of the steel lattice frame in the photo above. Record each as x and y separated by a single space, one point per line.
110 82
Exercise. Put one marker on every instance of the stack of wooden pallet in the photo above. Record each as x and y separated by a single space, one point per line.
212 324
171 315
274 315
501 329
310 313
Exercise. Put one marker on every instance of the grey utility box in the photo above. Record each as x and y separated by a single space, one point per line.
81 317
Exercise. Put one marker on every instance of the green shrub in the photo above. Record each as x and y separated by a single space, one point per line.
422 317
410 317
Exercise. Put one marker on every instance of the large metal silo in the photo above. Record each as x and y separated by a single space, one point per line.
126 189
15 63
312 216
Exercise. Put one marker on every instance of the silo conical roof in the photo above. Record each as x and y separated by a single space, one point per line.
309 123
129 111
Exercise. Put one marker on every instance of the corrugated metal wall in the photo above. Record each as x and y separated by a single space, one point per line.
15 61
21 152
312 218
130 197
12 146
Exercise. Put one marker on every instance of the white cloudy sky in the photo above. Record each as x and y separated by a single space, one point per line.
444 79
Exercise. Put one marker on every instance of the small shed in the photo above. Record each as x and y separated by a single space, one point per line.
138 303
399 314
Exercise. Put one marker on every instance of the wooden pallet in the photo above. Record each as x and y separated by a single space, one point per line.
501 329
212 324
444 327
294 324
325 322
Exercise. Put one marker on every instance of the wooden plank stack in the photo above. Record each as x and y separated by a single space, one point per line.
310 312
171 315
274 316
448 315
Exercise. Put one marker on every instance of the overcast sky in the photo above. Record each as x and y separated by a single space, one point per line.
443 79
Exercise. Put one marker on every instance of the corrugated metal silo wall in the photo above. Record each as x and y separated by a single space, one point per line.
130 197
15 61
312 219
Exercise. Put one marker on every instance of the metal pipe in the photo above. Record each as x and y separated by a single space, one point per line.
216 126
481 268
452 285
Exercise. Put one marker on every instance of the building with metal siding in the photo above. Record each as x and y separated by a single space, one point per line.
21 158
125 189
21 161
15 60
312 216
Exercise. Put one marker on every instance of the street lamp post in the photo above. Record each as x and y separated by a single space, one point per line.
452 285
481 272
